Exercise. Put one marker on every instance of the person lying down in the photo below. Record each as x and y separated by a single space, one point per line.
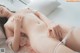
29 31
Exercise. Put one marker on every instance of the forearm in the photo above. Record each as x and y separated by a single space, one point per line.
45 19
16 41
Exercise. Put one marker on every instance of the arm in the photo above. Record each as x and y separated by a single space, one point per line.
61 31
38 14
16 37
16 41
43 17
50 25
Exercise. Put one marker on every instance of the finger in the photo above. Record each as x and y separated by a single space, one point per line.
37 13
56 32
16 18
21 17
32 10
59 32
53 33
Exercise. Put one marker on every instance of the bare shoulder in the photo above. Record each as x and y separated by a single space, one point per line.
9 24
8 30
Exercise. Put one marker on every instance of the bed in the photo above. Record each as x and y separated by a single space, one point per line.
67 14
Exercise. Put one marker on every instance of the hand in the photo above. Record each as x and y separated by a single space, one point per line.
18 20
58 31
28 10
51 28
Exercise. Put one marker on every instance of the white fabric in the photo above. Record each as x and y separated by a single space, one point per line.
68 13
46 7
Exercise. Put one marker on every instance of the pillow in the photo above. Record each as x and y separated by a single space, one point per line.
44 6
14 6
2 36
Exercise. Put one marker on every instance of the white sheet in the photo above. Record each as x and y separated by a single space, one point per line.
68 13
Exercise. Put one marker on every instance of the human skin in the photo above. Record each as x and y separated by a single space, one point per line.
62 30
38 23
4 12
